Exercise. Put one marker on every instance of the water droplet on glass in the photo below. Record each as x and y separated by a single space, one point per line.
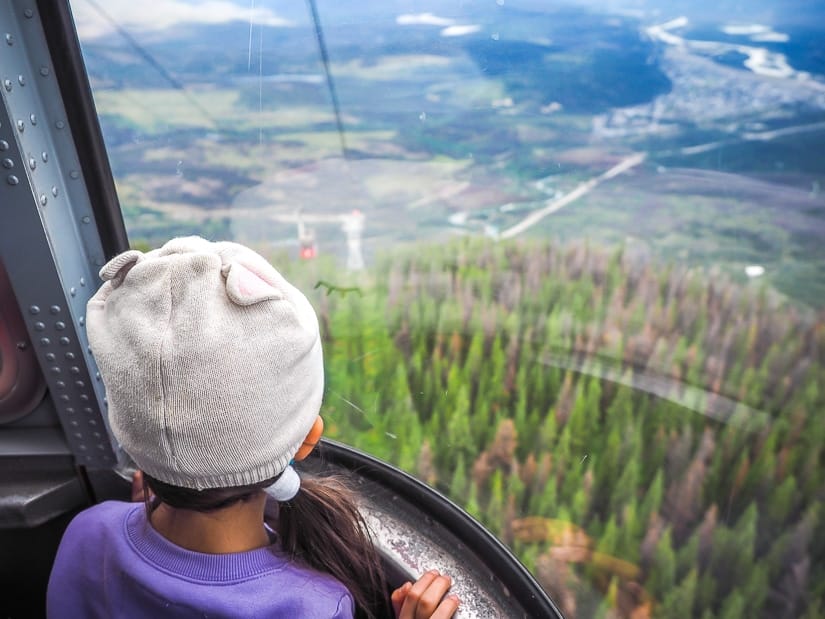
422 116
179 169
494 36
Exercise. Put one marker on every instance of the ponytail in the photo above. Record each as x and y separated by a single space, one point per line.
322 528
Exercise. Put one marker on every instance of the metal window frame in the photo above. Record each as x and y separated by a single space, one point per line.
60 219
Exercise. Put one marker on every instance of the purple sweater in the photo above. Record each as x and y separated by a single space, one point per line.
112 563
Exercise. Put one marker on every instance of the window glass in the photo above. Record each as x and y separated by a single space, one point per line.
569 259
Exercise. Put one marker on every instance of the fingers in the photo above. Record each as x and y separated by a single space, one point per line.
425 599
447 608
397 597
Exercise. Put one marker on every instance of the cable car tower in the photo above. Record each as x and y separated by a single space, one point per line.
353 227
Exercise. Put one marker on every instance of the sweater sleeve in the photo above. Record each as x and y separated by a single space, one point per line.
346 607
65 594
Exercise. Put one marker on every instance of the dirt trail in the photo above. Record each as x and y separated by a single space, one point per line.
582 189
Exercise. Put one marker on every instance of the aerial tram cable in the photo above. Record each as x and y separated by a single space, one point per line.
322 50
146 56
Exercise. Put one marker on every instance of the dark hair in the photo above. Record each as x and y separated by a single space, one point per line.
321 528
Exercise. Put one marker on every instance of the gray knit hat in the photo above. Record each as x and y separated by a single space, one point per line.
211 360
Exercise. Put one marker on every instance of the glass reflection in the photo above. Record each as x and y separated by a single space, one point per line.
569 260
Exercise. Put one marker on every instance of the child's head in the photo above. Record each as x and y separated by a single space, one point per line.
211 360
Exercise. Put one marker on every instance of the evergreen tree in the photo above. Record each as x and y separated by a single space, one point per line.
678 603
663 572
733 607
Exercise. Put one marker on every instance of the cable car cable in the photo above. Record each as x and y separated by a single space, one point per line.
322 49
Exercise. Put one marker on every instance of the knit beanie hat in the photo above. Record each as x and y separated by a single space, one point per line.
211 360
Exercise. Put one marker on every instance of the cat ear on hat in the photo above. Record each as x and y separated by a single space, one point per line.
117 268
246 287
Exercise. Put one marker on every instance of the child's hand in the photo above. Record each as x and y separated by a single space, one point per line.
425 599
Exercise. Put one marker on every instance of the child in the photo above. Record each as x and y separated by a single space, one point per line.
214 375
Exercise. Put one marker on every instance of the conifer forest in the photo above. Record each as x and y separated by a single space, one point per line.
646 438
